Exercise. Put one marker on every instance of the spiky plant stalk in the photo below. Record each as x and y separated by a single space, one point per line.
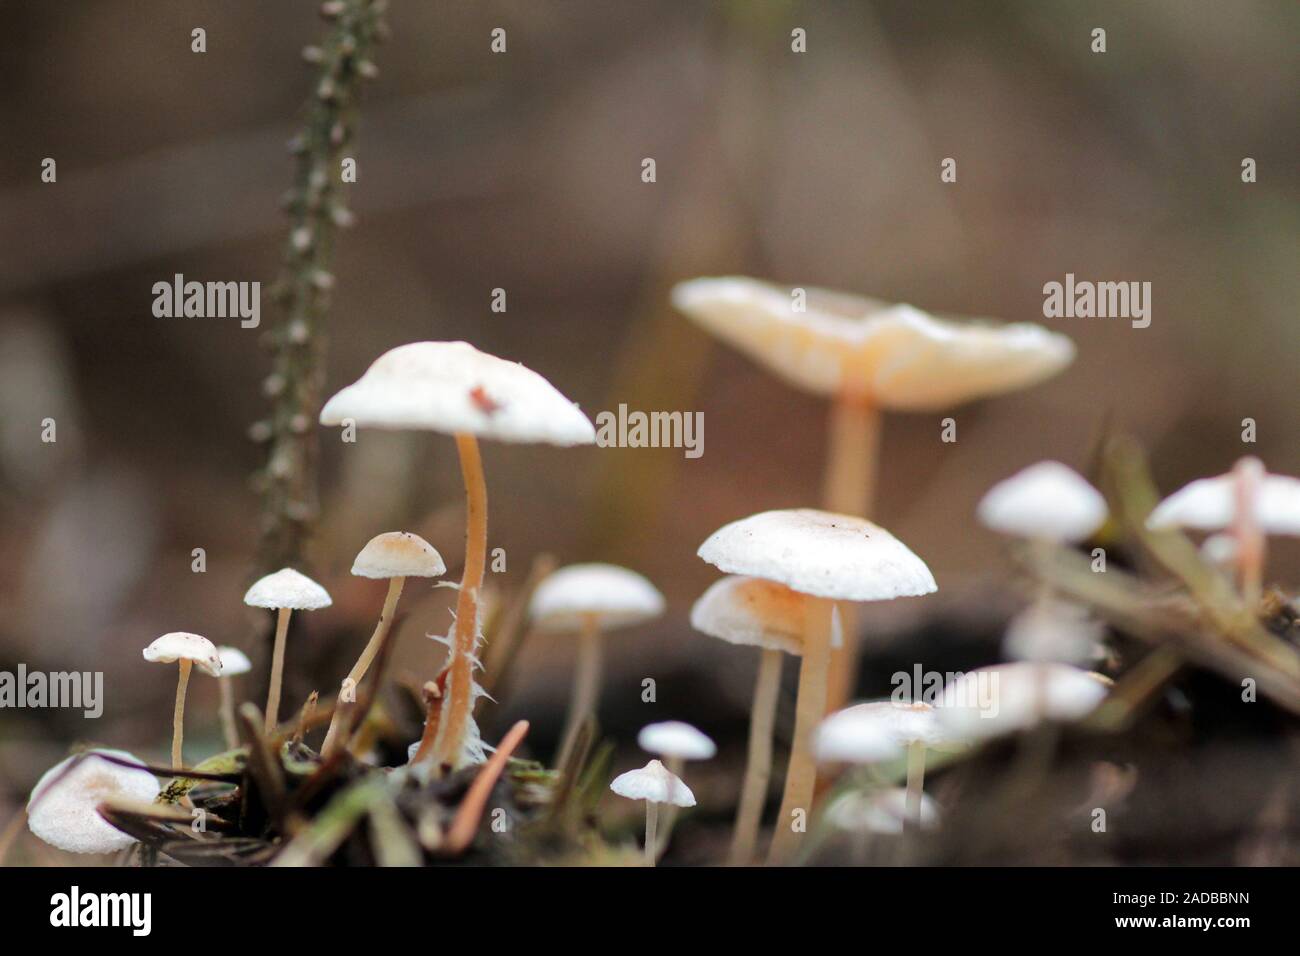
316 211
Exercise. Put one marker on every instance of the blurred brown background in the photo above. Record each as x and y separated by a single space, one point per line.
522 171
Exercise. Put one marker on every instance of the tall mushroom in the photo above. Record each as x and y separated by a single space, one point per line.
868 356
770 616
233 663
393 556
590 599
831 558
655 784
284 592
453 388
1248 502
63 807
189 650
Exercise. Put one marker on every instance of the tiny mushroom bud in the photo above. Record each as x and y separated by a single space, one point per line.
284 592
393 556
189 650
589 599
233 663
655 784
63 807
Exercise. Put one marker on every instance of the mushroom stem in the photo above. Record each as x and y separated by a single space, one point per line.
459 699
363 662
849 488
651 832
277 670
1251 543
178 716
758 769
810 708
586 686
677 767
915 782
228 730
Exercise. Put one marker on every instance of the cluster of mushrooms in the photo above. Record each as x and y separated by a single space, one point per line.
792 581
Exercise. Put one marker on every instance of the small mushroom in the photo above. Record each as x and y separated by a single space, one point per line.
770 616
590 599
868 356
63 807
831 558
1054 630
189 650
453 388
233 663
882 811
880 730
285 591
393 556
655 784
1250 503
677 742
1006 698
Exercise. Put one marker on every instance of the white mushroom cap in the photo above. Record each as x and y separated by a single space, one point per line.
819 553
616 596
1054 630
882 811
452 387
398 554
62 808
745 610
1047 501
287 588
674 738
899 356
1006 698
1210 504
879 730
179 645
653 782
233 662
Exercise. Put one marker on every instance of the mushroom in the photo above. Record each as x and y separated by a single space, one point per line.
1055 630
452 387
63 807
677 742
655 784
868 356
770 616
882 811
188 649
590 599
393 556
1006 698
233 663
880 730
1250 503
284 592
831 558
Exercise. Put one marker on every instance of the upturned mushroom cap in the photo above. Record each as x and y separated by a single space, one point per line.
745 610
879 730
675 738
452 387
1006 698
616 596
900 357
1210 504
182 645
653 782
819 553
398 554
883 811
233 662
287 588
1047 501
62 807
